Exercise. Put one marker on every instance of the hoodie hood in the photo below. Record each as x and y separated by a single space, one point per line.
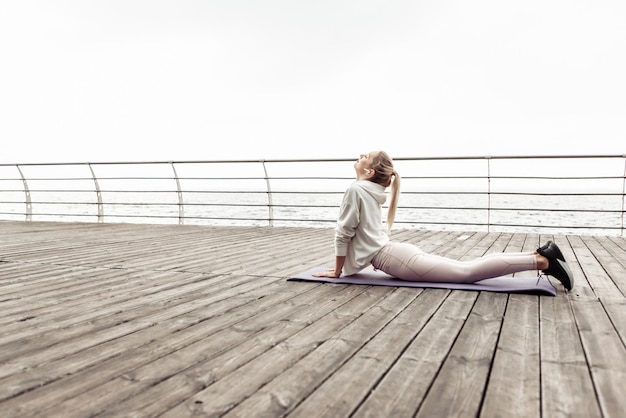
377 191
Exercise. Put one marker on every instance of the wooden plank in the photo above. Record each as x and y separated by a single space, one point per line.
605 353
295 384
611 258
593 281
401 391
514 381
122 319
168 287
458 389
86 369
344 391
89 349
159 374
75 289
94 324
317 350
566 386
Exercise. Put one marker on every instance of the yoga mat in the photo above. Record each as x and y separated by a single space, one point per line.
371 277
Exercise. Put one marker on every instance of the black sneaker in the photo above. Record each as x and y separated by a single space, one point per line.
551 247
557 268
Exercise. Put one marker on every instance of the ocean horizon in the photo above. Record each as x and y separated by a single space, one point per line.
598 215
547 195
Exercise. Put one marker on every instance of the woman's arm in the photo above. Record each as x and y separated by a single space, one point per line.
336 272
347 223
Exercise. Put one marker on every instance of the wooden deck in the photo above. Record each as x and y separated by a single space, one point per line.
167 320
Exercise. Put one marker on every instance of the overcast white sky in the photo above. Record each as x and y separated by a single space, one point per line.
139 80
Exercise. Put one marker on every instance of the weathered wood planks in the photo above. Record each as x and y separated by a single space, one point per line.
147 320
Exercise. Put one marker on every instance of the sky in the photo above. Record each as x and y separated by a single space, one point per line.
180 80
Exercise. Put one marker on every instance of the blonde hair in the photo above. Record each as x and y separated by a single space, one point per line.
387 176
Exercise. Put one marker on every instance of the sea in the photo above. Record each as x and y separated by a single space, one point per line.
436 195
597 215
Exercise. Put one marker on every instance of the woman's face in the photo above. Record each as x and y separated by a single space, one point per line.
363 165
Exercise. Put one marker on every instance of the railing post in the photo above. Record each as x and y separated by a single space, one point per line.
29 203
488 193
98 195
270 202
179 192
623 197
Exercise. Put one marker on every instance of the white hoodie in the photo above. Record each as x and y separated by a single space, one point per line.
359 234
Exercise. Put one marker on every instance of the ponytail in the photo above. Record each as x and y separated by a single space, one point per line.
387 176
395 196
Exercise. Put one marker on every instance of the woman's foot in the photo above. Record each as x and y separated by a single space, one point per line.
557 267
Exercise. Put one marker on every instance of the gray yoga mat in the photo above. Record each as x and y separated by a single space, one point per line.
371 277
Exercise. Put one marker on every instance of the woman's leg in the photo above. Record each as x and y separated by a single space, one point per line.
406 261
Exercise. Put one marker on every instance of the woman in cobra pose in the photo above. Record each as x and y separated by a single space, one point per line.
360 239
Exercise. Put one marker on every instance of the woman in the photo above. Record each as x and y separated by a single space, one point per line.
360 239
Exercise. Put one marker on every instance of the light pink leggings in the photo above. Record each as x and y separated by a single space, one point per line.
407 262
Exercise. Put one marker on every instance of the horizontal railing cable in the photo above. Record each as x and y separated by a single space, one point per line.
543 193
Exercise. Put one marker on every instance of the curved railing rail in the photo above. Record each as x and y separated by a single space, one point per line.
560 194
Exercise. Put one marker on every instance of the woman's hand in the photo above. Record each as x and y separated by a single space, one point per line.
332 273
336 272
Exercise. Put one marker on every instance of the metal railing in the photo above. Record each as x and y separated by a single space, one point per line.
560 194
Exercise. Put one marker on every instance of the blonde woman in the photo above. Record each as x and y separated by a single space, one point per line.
360 239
